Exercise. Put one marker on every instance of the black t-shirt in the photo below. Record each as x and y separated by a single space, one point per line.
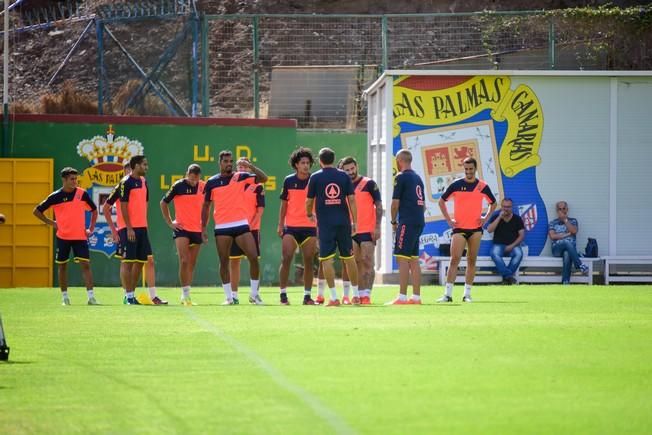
507 232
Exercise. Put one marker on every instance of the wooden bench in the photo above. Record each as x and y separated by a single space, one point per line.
531 270
636 265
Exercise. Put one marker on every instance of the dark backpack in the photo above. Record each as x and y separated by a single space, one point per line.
591 248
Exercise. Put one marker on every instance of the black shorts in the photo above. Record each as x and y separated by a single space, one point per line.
363 237
406 243
122 243
138 250
334 237
79 249
194 237
236 252
233 231
467 233
300 234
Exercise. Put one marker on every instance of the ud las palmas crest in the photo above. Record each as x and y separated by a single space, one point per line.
106 156
444 119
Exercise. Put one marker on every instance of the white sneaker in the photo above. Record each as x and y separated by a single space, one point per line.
66 301
256 300
228 302
93 301
444 299
467 299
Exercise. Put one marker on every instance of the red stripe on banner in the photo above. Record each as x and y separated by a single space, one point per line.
432 83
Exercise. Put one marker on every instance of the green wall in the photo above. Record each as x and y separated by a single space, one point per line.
170 148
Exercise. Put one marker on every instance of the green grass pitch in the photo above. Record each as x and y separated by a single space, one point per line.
520 359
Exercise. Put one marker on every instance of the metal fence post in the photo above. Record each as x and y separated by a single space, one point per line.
551 43
205 96
195 69
99 32
256 74
384 41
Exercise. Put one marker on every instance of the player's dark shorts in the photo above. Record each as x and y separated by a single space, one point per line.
122 243
300 234
233 231
466 232
79 249
334 237
138 250
406 244
363 237
237 252
194 237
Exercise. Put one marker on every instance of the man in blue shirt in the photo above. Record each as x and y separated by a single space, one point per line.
330 189
408 203
562 231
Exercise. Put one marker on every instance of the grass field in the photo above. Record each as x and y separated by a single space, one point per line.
520 359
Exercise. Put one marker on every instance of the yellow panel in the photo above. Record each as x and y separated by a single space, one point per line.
32 235
32 193
32 277
5 277
24 183
6 256
32 256
25 215
6 170
6 235
7 189
32 170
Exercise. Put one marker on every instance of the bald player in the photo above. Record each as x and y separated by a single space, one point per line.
407 222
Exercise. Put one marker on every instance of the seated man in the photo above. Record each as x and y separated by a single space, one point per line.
508 233
562 231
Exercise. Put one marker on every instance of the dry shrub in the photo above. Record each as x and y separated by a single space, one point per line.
19 107
150 105
69 101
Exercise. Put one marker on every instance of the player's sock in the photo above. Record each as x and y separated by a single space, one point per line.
347 288
130 295
333 294
321 287
64 294
91 293
448 290
307 291
255 284
234 294
416 297
152 292
356 293
227 291
284 291
402 297
186 291
467 289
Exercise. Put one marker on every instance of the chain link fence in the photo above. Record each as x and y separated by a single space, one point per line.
312 68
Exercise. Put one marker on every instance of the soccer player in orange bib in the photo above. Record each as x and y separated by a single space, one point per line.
134 196
224 192
70 204
254 196
187 195
370 213
294 227
468 194
118 233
